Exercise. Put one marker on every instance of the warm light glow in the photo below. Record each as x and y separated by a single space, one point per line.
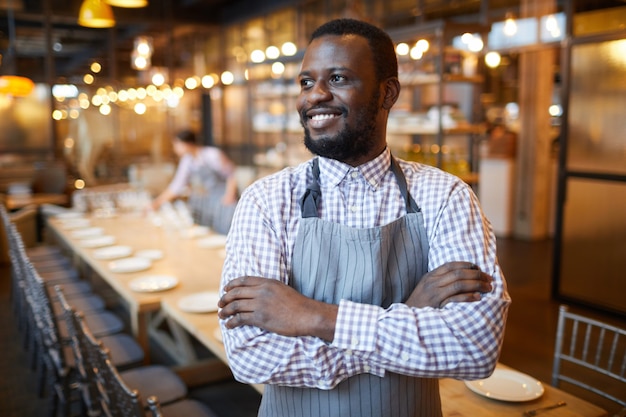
510 27
83 103
402 49
96 67
278 68
289 49
64 90
492 59
191 83
158 79
272 52
227 78
16 86
257 56
68 143
178 92
466 38
142 93
88 79
128 3
96 100
57 115
140 108
422 45
476 44
140 62
416 53
74 113
79 184
208 81
96 14
105 109
555 110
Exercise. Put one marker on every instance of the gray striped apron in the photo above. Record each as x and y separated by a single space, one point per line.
379 266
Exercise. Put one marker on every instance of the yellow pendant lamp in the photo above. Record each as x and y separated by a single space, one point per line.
96 14
12 84
131 4
16 86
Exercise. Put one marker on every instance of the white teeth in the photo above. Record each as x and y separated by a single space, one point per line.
322 116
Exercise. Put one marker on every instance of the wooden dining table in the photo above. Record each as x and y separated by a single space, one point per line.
195 268
198 269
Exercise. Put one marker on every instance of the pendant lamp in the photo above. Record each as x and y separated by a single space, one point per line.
96 14
12 84
131 4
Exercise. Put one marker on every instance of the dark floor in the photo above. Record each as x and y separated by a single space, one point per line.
528 343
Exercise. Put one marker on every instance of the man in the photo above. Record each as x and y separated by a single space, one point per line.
353 281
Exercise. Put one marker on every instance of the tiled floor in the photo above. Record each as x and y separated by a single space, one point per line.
528 343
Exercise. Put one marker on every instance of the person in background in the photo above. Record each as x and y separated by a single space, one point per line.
353 281
210 175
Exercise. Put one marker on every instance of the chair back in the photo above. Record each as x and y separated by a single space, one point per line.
103 390
590 354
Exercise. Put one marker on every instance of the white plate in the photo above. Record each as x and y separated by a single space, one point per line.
72 224
195 231
130 265
113 252
88 232
212 242
153 254
202 302
153 283
70 215
507 385
97 242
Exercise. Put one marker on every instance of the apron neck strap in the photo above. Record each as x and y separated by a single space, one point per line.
310 199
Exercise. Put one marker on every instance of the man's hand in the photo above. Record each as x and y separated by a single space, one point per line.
451 282
276 307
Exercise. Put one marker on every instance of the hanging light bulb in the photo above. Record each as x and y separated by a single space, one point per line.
510 26
130 4
13 84
96 14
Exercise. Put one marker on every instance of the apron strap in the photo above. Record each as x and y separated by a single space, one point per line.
409 202
311 197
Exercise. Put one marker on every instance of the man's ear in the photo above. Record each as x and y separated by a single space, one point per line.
392 91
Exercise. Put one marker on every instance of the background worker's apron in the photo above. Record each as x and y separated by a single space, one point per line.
205 200
378 266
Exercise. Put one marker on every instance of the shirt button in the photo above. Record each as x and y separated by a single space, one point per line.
373 183
349 352
354 174
354 342
367 368
405 357
353 209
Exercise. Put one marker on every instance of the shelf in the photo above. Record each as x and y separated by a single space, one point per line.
433 130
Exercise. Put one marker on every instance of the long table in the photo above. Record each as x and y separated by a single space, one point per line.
199 269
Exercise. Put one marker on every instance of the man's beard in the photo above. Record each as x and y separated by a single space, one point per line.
349 143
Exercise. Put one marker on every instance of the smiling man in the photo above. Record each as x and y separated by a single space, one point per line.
353 281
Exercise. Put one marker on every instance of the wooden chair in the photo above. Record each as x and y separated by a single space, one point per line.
106 391
590 354
46 338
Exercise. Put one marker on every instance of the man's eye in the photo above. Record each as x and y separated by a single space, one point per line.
338 78
304 83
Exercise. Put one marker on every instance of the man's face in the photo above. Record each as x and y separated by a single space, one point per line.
339 100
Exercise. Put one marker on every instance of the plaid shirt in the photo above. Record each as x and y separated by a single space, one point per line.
461 340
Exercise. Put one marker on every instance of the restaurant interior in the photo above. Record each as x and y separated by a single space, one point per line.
521 99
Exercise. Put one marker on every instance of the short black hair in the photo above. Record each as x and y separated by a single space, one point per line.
187 136
381 45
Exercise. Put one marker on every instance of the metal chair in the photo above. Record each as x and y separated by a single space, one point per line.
105 391
590 354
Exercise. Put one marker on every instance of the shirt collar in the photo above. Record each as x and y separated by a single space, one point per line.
332 172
